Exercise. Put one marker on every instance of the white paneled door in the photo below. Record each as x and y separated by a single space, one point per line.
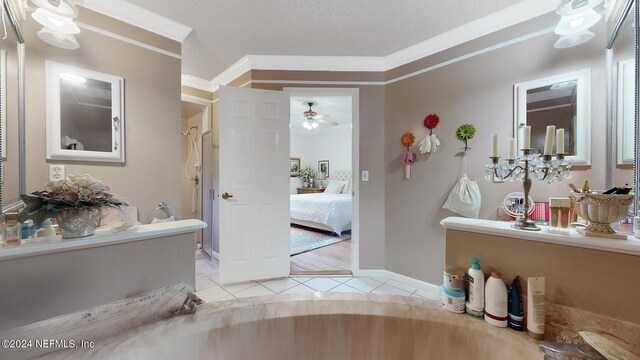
254 184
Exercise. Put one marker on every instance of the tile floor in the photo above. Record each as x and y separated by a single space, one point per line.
209 289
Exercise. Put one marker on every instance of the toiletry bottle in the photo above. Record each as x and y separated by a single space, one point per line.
554 212
47 229
14 232
516 316
565 207
496 301
535 307
28 230
475 305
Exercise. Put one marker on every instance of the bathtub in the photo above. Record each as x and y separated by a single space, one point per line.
315 326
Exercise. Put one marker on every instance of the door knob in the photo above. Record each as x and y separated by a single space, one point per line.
226 195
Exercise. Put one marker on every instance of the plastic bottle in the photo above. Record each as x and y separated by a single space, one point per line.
47 229
475 305
535 307
516 315
28 230
497 298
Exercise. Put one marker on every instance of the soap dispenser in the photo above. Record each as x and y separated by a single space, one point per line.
475 303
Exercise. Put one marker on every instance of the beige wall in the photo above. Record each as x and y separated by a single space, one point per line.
586 279
478 90
152 113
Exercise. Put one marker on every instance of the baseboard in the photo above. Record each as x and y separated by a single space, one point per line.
411 281
398 277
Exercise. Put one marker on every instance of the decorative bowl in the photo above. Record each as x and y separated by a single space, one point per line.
601 210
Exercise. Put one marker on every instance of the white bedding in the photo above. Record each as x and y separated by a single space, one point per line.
333 210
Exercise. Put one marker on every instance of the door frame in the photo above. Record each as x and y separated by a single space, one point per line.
355 158
205 127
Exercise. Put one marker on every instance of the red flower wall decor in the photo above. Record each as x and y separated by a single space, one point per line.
408 139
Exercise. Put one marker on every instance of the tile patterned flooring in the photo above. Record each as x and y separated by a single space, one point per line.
209 289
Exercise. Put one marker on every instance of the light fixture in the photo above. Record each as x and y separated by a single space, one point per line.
576 17
576 7
568 41
570 25
52 37
310 124
61 24
59 7
57 19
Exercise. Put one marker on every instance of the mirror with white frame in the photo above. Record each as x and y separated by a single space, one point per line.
562 100
85 114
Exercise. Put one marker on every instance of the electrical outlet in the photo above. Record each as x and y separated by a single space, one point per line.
56 172
365 175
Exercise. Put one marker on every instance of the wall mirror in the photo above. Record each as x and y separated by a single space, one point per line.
85 114
12 114
562 100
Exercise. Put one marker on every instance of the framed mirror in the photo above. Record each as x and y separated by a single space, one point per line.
85 114
562 100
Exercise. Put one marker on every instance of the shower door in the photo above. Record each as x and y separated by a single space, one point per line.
210 233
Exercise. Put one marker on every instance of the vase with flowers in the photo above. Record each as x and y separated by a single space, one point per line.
76 202
406 158
307 175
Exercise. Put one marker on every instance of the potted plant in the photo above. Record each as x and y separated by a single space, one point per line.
75 202
307 175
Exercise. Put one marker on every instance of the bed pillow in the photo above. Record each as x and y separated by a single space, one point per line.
347 187
335 187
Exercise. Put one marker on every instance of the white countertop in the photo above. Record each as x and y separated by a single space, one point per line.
630 246
101 238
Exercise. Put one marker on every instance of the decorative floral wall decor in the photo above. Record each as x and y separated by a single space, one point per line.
406 158
430 141
465 133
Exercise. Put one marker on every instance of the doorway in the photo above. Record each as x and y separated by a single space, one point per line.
323 180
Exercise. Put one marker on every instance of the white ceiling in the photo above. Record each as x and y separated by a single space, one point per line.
224 31
336 108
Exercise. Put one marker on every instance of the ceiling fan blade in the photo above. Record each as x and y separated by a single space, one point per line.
326 122
321 116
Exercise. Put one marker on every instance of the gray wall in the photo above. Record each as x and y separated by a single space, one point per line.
478 90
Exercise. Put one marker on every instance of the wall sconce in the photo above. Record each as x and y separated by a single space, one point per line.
576 17
57 18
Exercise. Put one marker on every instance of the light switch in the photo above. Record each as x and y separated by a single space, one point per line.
365 175
56 172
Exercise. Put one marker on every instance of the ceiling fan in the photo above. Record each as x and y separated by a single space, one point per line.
313 119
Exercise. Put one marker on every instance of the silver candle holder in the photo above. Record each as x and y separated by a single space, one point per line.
525 167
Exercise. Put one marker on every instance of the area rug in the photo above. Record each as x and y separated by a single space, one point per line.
305 239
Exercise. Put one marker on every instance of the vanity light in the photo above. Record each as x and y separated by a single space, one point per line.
570 25
52 37
568 41
61 24
64 8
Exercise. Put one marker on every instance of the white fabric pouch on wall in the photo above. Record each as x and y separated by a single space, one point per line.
465 198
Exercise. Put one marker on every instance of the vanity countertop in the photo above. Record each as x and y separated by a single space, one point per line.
101 238
630 246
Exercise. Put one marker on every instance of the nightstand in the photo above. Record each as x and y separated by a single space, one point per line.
310 190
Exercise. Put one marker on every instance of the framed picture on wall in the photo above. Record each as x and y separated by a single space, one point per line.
294 167
323 167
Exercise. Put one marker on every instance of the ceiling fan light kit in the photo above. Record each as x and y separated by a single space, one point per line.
313 119
576 17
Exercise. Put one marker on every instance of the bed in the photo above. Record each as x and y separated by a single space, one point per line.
329 212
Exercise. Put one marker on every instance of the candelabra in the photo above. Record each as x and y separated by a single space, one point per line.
523 168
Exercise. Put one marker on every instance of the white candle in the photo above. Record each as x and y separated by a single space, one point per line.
548 141
512 149
560 141
526 137
494 145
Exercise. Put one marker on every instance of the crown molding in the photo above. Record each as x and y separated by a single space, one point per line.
196 82
509 16
316 63
140 17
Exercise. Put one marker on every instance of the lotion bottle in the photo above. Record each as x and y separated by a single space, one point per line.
496 304
47 229
475 305
535 307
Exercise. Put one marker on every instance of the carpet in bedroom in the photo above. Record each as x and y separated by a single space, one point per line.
304 239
